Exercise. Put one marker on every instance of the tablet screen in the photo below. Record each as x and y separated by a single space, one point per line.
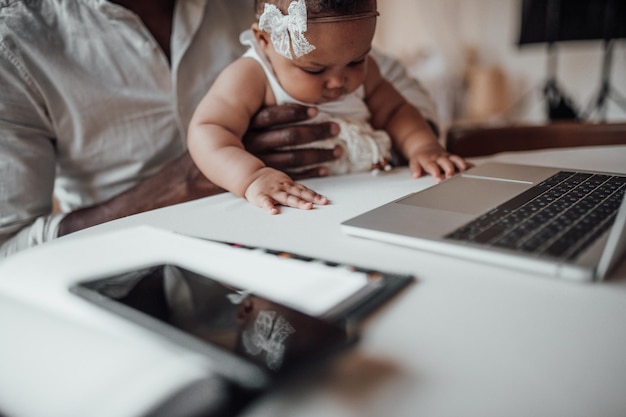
261 338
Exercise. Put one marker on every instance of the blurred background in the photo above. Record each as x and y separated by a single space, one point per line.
502 62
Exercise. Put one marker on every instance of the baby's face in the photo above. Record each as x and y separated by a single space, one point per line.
336 67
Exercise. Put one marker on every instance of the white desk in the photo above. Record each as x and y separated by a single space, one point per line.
466 339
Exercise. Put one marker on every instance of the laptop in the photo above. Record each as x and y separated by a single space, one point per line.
549 221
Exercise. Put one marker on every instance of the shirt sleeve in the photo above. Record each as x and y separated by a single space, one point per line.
409 87
27 160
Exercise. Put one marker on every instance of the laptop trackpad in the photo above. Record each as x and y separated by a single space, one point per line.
466 195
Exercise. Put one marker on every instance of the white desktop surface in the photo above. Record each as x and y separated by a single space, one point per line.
465 339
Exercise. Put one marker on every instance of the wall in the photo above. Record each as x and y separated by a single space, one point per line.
434 37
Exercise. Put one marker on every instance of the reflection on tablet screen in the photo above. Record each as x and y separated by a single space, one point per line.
272 336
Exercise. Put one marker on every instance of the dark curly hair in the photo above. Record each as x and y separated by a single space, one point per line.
323 8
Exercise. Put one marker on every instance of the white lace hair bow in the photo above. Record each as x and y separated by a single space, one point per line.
268 335
285 28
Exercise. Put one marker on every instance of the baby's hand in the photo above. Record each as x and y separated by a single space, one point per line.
272 187
434 160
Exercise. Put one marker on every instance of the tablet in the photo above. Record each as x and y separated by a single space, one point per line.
251 340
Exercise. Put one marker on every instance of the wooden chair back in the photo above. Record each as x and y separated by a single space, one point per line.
482 141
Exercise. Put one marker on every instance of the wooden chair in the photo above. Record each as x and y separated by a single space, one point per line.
482 141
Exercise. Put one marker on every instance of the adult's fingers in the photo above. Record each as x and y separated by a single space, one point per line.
281 115
309 173
265 141
297 158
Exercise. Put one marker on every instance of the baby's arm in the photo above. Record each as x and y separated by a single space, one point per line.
410 133
214 142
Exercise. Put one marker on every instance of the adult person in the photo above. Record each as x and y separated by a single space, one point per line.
95 100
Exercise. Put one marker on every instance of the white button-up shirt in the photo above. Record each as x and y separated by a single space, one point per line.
90 105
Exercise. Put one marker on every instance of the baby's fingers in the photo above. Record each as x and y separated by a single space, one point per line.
416 168
448 167
299 196
460 163
433 168
443 166
309 195
294 201
267 202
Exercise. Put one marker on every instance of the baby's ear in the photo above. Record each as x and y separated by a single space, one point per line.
261 36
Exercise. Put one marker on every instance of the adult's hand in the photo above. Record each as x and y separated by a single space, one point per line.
181 180
271 129
178 182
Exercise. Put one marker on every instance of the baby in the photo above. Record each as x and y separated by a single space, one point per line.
313 52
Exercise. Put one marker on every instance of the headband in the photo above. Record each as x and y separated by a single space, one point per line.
287 31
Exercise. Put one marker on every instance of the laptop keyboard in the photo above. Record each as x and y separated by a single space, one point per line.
559 217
